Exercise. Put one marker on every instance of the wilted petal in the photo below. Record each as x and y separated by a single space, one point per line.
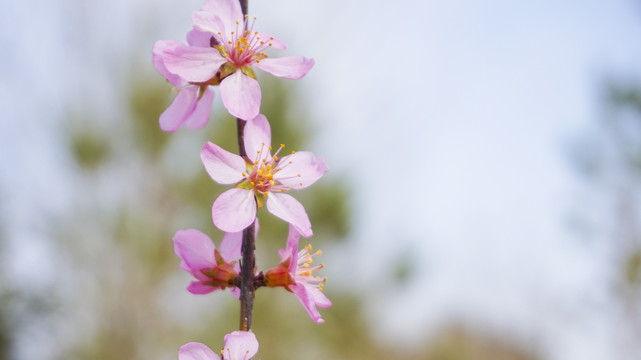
158 59
199 288
240 345
307 300
291 67
258 138
196 351
200 115
300 170
180 109
289 209
241 95
195 249
234 210
194 64
223 166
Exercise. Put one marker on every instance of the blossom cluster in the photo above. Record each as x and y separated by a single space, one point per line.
223 49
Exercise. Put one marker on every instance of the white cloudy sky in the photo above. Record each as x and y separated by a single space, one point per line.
451 119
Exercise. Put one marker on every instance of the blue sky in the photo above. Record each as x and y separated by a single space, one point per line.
451 119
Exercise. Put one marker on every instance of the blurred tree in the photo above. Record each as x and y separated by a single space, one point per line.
611 160
459 343
5 307
21 308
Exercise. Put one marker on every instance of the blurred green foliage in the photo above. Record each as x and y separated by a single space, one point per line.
632 268
20 308
5 300
459 343
89 148
144 101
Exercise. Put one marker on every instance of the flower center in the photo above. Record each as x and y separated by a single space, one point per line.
243 46
262 170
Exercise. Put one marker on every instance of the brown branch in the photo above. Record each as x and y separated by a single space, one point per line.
248 262
243 6
247 270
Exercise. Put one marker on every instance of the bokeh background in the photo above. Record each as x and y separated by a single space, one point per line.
484 198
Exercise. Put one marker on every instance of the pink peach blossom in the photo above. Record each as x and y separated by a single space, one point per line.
295 274
239 345
235 47
260 179
192 105
213 269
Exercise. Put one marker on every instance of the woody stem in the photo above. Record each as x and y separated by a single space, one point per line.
248 263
